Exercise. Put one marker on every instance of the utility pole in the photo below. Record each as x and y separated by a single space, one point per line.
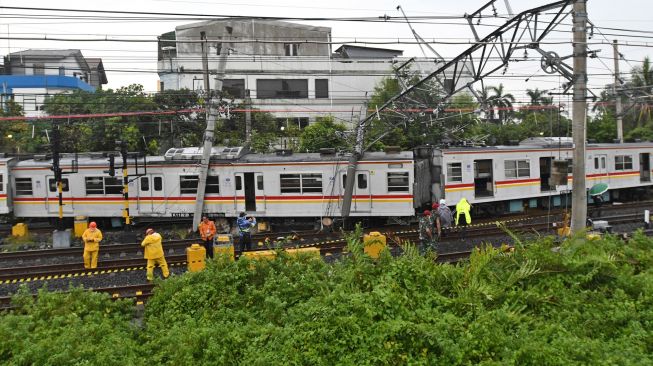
579 189
617 86
210 124
351 171
56 169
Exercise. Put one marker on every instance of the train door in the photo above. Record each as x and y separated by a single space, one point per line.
600 167
362 200
150 194
645 167
545 174
52 196
261 200
245 193
483 178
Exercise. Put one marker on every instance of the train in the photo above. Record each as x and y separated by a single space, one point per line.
390 186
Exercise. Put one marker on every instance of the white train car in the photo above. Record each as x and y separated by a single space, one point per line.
519 175
266 185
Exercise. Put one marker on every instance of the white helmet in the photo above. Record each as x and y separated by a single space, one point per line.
443 202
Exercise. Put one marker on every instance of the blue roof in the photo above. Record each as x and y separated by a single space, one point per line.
9 82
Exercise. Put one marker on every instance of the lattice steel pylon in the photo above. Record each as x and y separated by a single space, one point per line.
486 56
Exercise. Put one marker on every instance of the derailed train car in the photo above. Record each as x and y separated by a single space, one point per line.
309 187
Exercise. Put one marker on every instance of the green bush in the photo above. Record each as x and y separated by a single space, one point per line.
585 302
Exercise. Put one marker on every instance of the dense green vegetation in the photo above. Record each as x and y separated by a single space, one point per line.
580 303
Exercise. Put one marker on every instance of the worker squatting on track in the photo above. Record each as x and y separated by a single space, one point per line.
154 254
245 224
427 234
92 237
207 231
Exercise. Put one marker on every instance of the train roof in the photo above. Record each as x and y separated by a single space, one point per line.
94 159
539 145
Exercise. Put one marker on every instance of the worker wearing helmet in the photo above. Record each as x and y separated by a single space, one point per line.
207 231
154 254
92 237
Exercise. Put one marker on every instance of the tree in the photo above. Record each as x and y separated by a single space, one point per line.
324 133
502 102
537 97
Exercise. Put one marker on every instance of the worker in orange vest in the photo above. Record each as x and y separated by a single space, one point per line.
207 231
92 237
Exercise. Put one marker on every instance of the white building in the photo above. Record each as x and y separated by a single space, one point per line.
29 77
289 69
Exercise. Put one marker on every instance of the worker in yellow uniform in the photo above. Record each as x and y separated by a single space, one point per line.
154 254
462 208
92 237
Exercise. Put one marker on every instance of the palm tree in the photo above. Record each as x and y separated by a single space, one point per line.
537 97
642 85
503 102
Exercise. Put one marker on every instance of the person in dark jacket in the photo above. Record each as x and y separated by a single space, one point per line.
245 225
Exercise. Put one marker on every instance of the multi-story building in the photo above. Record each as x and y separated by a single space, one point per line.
287 69
28 77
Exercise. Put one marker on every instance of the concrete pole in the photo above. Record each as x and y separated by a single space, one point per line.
617 86
351 171
210 128
579 189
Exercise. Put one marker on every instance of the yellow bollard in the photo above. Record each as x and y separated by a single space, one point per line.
81 224
374 243
224 246
195 257
19 230
312 252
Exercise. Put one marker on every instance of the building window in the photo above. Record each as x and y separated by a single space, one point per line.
52 184
188 184
623 162
292 49
517 168
23 186
281 88
212 184
38 69
454 172
398 182
321 88
158 183
145 184
301 183
234 87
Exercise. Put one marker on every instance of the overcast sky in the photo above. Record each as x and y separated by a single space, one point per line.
631 14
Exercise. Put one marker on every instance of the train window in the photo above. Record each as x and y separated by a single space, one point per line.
362 181
312 183
454 172
398 182
596 163
23 186
2 180
259 182
158 183
570 166
52 185
239 183
344 180
112 185
623 162
94 185
212 184
517 168
290 183
145 184
188 184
